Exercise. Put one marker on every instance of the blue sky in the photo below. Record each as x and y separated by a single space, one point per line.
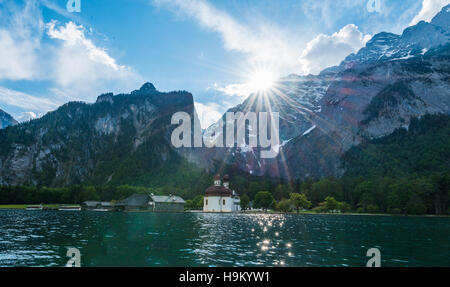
210 48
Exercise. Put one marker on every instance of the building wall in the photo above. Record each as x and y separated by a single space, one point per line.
237 204
137 208
218 204
169 207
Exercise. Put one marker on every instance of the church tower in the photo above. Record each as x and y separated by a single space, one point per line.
226 181
217 180
220 198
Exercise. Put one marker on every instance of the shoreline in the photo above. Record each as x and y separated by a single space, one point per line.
50 207
343 214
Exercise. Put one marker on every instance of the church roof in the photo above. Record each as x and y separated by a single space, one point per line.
135 200
218 191
167 199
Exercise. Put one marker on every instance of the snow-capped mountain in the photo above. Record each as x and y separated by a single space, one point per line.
415 41
373 92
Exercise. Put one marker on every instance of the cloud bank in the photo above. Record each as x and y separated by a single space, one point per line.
61 54
429 9
326 51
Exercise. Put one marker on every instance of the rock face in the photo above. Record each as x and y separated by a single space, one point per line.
116 137
6 120
373 92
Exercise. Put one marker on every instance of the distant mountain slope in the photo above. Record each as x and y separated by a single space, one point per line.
423 148
6 120
119 139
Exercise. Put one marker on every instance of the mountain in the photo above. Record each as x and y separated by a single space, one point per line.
120 139
126 138
390 81
415 41
6 120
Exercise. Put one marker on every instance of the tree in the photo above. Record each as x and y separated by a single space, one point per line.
300 201
324 188
284 205
263 199
253 189
245 200
88 193
281 191
344 207
194 204
331 203
415 205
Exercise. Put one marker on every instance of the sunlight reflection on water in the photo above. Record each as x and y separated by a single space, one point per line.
41 238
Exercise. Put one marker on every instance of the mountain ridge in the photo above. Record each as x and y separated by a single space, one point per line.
94 143
6 120
125 138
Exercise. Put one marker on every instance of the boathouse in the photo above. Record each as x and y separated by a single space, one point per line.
151 203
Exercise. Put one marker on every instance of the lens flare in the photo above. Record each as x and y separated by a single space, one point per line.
262 80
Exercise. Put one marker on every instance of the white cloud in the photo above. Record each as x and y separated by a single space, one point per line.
26 101
62 54
18 45
267 45
429 9
27 116
238 90
326 51
208 113
83 70
264 43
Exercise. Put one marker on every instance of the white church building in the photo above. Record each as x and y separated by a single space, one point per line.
220 198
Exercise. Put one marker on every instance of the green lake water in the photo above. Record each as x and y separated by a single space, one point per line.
41 238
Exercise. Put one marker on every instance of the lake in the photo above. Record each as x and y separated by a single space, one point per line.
41 238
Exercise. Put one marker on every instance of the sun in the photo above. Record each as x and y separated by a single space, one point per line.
262 80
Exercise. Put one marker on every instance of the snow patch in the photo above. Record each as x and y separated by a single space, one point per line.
310 130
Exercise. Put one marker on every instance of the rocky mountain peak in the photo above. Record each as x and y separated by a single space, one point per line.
147 88
109 98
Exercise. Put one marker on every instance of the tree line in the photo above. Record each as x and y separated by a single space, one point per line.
407 172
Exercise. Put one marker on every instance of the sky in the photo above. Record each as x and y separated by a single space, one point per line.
220 51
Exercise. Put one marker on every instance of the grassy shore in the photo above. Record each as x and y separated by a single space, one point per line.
309 212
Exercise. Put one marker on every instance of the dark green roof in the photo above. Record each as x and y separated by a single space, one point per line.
135 200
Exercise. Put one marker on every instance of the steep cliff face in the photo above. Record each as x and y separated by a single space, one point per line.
6 120
373 92
116 138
